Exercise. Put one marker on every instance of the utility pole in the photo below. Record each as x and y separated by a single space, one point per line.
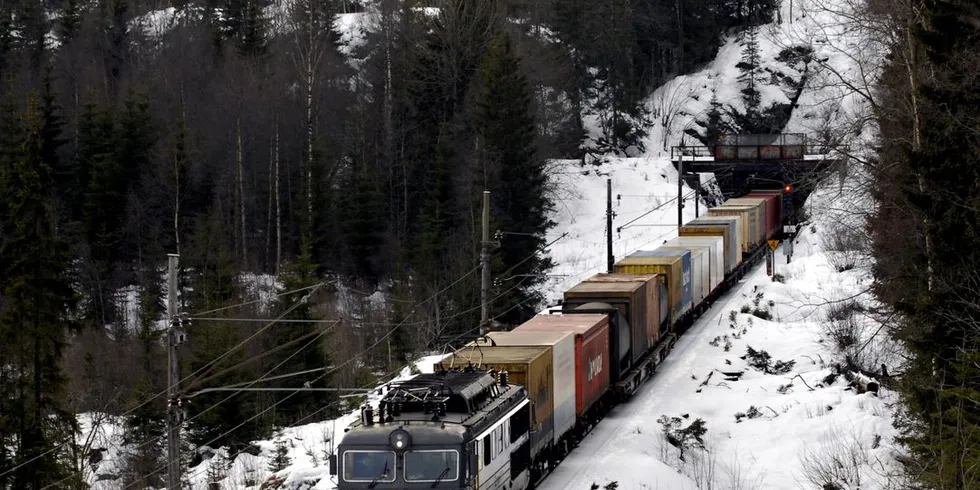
175 413
485 263
680 188
697 197
609 217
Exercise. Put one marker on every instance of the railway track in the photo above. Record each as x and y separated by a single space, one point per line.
573 472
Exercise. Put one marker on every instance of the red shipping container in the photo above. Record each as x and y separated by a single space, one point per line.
592 356
774 209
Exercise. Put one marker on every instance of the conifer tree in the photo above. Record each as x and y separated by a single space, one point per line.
306 345
215 283
34 315
516 179
927 216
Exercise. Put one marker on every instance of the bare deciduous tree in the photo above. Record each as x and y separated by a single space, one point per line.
668 103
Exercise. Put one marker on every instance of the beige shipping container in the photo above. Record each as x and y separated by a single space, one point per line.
530 367
760 206
747 225
562 348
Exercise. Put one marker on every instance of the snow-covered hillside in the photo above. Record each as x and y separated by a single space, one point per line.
783 430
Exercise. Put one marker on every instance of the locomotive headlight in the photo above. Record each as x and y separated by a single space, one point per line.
400 440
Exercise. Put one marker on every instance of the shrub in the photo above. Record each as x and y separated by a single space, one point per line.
845 246
762 361
688 437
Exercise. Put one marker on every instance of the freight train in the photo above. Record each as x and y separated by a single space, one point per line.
503 410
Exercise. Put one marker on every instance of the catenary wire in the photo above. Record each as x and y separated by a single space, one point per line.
164 392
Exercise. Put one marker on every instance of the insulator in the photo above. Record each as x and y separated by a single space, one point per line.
367 415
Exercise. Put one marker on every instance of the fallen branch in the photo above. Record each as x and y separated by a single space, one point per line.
801 379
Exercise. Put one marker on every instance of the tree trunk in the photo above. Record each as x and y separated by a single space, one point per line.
268 213
278 204
310 79
916 146
241 188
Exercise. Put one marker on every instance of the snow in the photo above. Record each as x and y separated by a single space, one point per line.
796 423
767 451
308 446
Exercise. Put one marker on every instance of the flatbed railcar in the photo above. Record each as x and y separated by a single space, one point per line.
503 411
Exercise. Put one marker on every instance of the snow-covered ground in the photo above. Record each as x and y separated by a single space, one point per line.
794 426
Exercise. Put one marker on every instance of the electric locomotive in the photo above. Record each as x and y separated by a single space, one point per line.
460 428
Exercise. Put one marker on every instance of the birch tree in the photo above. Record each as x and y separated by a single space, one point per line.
310 26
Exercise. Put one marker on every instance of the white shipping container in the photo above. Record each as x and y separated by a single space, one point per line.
717 255
563 357
700 267
739 239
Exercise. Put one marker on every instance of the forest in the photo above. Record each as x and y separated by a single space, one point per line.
252 139
924 233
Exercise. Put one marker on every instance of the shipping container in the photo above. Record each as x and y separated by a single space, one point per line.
774 210
716 256
592 352
750 223
749 226
562 348
759 209
700 269
676 269
530 367
628 300
656 308
723 226
735 225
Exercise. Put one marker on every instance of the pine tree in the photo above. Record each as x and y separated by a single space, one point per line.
146 424
516 179
34 315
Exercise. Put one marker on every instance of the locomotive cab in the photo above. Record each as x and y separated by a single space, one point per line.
388 456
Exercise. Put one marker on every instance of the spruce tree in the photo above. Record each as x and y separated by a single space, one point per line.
101 183
516 179
217 419
306 346
438 218
34 316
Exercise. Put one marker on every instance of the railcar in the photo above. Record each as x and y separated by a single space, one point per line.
505 409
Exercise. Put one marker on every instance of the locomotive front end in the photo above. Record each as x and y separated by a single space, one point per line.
389 456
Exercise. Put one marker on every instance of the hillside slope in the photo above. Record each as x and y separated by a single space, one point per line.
794 422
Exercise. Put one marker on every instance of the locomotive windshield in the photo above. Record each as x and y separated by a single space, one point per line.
371 466
431 465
